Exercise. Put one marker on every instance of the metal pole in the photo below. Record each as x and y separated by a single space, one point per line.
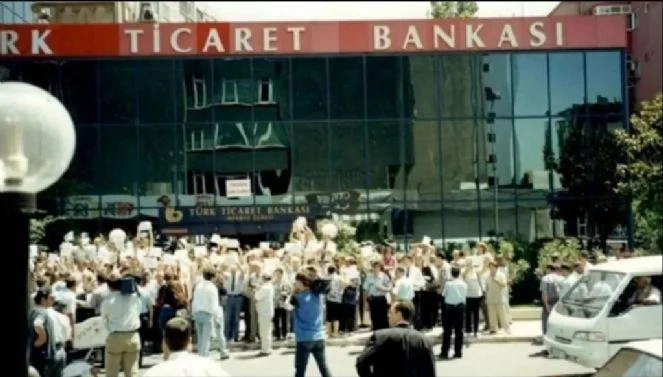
15 212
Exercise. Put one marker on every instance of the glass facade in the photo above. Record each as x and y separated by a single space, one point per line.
446 145
15 12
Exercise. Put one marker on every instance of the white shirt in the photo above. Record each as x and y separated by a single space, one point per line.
68 298
205 298
186 364
414 274
264 297
61 325
404 289
474 289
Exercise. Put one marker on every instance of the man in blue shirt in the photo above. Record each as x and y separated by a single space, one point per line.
455 297
309 326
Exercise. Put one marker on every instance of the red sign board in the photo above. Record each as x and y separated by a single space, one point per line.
288 38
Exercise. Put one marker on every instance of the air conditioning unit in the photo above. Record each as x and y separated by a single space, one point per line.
612 9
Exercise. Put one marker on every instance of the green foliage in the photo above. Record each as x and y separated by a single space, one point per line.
587 166
518 267
642 177
558 250
453 9
38 228
346 242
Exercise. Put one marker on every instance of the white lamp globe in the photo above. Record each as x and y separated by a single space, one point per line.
37 138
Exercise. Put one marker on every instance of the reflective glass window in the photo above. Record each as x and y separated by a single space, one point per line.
309 88
117 92
567 81
530 84
495 96
311 152
604 80
384 87
346 87
420 88
460 87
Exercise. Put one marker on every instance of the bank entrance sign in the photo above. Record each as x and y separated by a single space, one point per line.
328 37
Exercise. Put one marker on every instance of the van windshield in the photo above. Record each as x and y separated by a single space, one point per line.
631 363
589 294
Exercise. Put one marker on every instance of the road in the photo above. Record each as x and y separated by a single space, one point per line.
490 360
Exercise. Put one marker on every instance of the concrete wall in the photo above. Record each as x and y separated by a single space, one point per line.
646 50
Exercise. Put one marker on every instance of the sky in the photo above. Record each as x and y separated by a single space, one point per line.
358 10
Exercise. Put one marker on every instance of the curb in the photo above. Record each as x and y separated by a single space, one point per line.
436 339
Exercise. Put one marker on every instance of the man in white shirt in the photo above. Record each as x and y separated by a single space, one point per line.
403 288
181 362
204 309
67 297
264 298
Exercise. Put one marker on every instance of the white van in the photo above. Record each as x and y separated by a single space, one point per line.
596 317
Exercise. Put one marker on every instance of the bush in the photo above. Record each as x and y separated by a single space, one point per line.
558 250
518 266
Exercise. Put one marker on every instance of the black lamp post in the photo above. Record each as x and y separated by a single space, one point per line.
37 142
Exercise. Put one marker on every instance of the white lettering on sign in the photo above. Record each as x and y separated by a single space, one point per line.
412 39
476 36
472 38
296 37
381 38
175 40
38 42
538 36
449 38
213 40
507 36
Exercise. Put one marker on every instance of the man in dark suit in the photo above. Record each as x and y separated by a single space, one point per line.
399 351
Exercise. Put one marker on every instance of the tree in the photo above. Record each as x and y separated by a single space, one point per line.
587 166
452 9
641 177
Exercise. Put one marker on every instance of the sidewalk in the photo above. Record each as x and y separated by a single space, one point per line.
521 331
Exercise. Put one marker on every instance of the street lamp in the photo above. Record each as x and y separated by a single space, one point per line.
37 141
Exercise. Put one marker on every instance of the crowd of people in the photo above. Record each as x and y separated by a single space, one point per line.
222 285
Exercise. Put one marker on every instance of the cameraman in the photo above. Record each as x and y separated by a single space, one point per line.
121 313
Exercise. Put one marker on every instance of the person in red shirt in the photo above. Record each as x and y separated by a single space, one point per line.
388 261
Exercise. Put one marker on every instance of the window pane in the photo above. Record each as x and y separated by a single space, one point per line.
159 160
276 71
83 173
348 178
604 78
530 84
346 87
531 146
311 157
385 146
79 90
567 81
422 170
420 89
384 87
117 92
495 95
309 88
463 157
271 163
157 91
459 86
119 149
461 220
239 71
201 90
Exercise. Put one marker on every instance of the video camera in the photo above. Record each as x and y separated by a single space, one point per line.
126 285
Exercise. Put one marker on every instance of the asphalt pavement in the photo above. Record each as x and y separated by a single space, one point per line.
490 360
